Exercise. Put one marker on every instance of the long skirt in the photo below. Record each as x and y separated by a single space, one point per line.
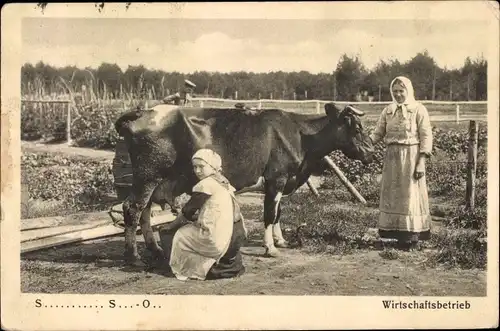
404 203
229 265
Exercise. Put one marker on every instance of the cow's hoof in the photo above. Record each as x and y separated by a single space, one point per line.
158 254
138 263
133 260
272 252
281 244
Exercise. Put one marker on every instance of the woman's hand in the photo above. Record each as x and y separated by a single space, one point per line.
420 168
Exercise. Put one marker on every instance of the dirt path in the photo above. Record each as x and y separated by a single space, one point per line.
96 154
96 267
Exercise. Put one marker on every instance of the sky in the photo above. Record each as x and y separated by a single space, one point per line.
258 45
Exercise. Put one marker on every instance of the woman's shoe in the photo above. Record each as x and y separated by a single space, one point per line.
403 245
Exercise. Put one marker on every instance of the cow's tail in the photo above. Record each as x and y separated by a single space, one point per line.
122 123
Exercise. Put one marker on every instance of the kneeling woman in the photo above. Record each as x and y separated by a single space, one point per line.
208 246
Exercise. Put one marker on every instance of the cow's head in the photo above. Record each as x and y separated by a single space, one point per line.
349 135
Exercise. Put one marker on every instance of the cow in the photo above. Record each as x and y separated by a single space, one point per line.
281 147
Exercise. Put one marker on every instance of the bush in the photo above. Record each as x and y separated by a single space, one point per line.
95 127
80 184
476 219
444 178
462 243
455 142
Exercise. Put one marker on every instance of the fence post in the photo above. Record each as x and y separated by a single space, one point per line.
68 125
260 105
201 103
457 112
318 107
471 165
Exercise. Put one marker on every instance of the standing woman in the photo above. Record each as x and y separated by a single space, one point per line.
404 205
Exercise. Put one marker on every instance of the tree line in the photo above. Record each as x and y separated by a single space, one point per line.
349 81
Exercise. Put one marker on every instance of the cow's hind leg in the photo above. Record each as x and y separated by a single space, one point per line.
147 232
133 208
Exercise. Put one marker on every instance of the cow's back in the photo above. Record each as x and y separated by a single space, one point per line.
249 144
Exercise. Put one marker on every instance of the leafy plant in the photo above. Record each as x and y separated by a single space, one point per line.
79 184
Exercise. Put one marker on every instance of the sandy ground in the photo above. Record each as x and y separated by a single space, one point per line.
96 267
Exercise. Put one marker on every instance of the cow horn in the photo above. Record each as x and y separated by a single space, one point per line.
353 110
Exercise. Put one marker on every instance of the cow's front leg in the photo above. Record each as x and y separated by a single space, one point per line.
132 212
271 210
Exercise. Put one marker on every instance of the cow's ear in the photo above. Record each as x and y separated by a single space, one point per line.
332 110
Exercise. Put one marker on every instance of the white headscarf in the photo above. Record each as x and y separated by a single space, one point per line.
409 104
209 156
214 160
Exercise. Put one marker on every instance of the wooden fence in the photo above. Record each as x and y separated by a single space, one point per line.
318 105
470 192
68 104
302 106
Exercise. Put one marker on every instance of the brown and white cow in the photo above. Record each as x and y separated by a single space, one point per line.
283 148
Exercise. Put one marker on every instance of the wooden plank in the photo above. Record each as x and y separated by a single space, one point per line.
73 219
34 234
88 234
100 232
57 221
312 188
344 180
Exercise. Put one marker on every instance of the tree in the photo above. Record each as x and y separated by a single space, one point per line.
350 73
134 78
109 77
349 78
421 70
